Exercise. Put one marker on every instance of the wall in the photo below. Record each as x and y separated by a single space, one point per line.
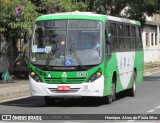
151 33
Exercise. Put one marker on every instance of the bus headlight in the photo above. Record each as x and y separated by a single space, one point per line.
95 76
32 74
35 76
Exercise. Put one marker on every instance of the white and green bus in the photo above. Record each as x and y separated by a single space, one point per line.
82 54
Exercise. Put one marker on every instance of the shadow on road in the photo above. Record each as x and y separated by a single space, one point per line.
152 78
68 102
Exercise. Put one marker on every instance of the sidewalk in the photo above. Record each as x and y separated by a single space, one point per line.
14 89
20 88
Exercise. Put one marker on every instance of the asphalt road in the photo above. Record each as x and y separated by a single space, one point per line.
146 101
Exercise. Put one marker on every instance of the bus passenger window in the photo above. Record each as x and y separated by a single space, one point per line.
120 30
138 38
113 32
133 37
127 37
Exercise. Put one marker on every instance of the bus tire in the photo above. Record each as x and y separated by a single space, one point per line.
131 91
113 91
107 99
112 97
49 100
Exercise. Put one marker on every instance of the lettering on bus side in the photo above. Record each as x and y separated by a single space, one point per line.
82 74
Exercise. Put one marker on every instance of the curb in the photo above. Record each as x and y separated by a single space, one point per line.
148 70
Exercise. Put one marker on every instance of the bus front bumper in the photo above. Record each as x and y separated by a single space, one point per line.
93 89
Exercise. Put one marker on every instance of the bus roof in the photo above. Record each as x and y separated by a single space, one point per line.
85 15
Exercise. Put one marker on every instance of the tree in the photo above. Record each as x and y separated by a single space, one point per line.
13 24
111 7
133 9
53 6
4 4
140 9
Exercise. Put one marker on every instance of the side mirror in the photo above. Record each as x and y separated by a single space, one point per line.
26 37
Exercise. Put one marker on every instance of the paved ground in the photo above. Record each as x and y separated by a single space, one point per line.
20 88
14 89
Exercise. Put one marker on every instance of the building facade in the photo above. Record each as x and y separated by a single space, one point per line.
151 40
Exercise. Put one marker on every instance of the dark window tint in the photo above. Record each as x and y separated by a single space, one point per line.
126 31
113 29
125 37
120 30
138 38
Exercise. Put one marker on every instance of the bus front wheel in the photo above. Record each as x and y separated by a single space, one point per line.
49 100
108 99
112 97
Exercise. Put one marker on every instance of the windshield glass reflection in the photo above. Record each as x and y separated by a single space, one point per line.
53 43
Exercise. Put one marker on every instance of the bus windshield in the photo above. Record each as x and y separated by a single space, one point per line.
54 41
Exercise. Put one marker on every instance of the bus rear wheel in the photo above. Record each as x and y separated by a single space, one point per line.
49 100
113 91
131 91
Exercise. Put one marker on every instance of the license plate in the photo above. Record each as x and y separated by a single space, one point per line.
63 88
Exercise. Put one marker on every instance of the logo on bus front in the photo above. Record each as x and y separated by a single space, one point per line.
64 74
64 77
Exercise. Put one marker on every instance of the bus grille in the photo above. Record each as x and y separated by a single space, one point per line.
69 80
72 90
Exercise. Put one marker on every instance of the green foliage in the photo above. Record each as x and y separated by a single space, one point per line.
4 4
134 9
140 9
111 7
50 6
13 24
72 5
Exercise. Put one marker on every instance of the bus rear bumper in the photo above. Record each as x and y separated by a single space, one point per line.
93 89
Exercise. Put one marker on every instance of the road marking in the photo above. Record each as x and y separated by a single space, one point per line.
152 110
158 106
14 99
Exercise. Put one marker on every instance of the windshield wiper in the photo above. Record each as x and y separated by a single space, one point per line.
78 59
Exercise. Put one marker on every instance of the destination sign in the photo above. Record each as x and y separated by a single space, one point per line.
83 24
60 23
72 24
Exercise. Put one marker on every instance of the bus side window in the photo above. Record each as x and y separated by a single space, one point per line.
127 37
108 43
133 38
121 37
138 38
113 32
